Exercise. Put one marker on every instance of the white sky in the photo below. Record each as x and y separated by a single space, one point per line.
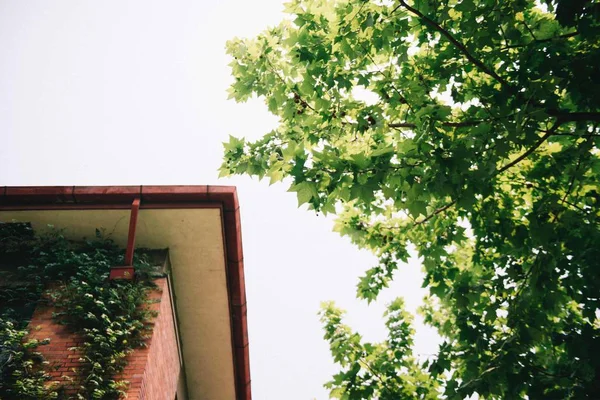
133 92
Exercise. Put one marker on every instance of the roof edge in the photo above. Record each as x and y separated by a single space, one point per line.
63 195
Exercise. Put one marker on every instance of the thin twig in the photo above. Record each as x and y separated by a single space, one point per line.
515 46
303 102
584 135
385 76
450 124
436 212
529 151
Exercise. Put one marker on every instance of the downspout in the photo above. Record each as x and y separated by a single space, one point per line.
127 272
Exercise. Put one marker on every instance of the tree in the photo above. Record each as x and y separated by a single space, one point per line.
469 129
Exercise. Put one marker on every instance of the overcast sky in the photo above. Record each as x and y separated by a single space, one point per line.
133 92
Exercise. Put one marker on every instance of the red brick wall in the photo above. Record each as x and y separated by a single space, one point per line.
163 368
153 371
63 363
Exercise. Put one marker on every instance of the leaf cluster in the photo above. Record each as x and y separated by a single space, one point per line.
21 372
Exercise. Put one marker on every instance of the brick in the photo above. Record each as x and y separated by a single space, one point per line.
153 372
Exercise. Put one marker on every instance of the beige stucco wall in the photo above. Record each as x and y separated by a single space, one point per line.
195 241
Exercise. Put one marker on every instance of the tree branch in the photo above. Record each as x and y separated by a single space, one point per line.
531 185
570 188
550 132
562 118
583 135
565 36
573 178
530 31
533 148
451 124
389 78
574 116
511 164
515 46
436 212
507 166
276 73
461 47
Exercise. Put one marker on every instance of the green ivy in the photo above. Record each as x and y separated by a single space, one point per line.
20 372
111 317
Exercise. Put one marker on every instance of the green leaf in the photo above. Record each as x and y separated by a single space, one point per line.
306 191
417 208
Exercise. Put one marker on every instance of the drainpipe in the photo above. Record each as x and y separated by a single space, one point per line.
127 272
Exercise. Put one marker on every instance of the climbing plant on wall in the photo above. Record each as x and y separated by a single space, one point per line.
111 317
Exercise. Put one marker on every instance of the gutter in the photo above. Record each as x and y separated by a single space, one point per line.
169 197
